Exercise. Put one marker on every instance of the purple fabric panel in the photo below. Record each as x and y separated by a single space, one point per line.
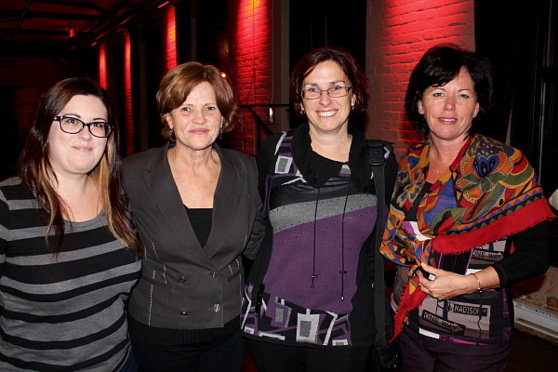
290 266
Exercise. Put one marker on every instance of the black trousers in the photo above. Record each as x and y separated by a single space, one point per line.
219 355
425 354
271 357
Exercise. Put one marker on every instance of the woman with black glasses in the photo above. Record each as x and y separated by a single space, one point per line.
68 255
308 302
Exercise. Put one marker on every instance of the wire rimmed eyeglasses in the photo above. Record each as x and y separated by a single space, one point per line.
336 91
71 125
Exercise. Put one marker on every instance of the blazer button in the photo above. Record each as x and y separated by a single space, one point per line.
182 279
213 274
184 313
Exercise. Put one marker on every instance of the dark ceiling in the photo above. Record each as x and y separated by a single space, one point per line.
44 28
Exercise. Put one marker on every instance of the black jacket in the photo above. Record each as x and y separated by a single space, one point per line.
184 285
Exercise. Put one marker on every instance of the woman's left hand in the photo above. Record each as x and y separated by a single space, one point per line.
445 284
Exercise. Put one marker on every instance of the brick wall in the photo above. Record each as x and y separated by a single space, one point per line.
170 39
102 65
128 86
398 34
251 53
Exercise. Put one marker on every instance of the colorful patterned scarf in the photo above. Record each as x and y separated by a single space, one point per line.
488 193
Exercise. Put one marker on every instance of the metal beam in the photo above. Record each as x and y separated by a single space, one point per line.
51 15
77 4
10 31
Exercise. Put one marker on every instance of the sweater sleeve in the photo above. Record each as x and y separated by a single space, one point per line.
258 228
531 255
264 160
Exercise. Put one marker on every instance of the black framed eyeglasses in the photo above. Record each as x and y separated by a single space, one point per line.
336 91
71 125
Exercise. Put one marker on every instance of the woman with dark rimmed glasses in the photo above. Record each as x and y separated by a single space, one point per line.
68 254
308 302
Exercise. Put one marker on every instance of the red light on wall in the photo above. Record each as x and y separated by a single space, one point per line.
102 66
129 122
250 6
253 38
251 51
171 57
398 34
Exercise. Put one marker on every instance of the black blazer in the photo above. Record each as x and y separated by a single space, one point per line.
184 285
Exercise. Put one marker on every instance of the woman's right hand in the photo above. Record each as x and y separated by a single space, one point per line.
446 284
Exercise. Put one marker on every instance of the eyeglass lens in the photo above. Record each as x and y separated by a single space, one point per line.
336 91
72 126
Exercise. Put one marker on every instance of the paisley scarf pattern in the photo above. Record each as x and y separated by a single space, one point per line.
488 193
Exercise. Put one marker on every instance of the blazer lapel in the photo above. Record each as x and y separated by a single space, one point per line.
159 180
225 202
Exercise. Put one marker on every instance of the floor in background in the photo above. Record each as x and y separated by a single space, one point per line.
532 354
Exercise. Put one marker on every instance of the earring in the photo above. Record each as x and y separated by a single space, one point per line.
352 107
302 112
221 133
171 134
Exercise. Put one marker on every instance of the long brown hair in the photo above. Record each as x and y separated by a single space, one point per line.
35 169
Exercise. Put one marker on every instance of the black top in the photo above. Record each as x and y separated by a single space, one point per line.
200 219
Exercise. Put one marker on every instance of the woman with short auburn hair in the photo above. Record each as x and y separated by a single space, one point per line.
198 212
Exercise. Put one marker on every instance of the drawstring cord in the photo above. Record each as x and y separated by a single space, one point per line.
314 275
343 272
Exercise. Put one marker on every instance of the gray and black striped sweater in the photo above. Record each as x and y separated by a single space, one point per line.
65 311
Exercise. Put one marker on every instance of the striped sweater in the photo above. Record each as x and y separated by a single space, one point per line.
66 311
